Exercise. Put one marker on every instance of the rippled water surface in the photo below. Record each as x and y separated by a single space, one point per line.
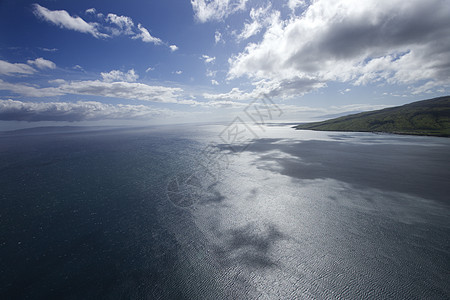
185 212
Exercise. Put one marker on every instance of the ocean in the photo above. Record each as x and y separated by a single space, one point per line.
216 212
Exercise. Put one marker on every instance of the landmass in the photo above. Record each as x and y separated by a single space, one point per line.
426 117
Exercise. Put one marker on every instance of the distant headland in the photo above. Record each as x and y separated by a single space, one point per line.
426 117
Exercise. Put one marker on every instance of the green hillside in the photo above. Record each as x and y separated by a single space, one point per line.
427 117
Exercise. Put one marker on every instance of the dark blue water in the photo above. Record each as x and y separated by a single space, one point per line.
94 214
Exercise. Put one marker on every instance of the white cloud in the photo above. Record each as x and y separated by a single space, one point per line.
73 112
42 63
360 42
48 49
178 72
116 75
216 10
223 104
234 95
293 4
125 24
214 82
29 90
271 88
345 91
218 37
211 73
146 37
78 67
208 59
173 48
121 89
260 17
149 69
64 20
57 81
111 25
124 90
9 69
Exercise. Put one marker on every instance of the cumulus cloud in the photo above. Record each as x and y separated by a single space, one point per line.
63 19
42 63
149 69
7 68
73 112
216 10
360 42
208 59
125 24
91 11
178 72
214 82
173 48
116 75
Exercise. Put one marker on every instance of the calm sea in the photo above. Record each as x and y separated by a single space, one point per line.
199 212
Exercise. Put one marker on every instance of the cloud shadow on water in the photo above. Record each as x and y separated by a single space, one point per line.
412 169
249 245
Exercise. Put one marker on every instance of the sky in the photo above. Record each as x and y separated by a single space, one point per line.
178 61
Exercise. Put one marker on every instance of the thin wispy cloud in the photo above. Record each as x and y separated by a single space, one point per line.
7 68
103 27
21 69
48 49
261 17
78 67
63 19
146 37
216 10
29 90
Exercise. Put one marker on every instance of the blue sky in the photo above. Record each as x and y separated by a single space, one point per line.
173 61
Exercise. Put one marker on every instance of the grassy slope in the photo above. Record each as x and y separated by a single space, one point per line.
427 117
